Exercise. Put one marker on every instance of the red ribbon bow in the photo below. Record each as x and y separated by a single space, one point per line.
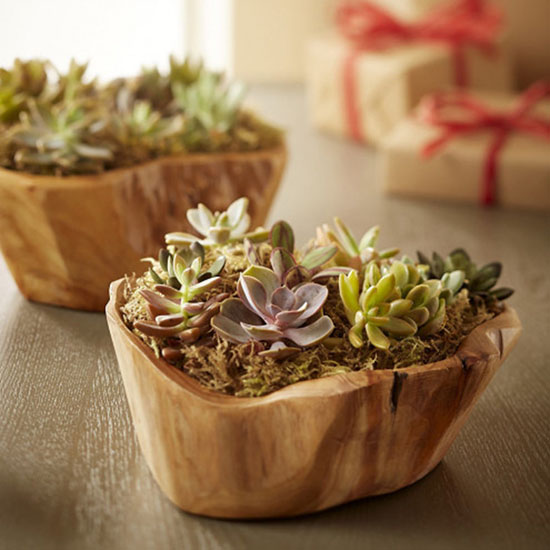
460 114
369 27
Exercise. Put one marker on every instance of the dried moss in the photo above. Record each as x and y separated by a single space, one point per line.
239 370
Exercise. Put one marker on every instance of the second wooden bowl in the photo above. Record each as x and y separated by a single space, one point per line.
308 446
65 239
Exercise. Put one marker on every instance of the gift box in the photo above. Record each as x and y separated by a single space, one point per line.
487 148
361 82
526 23
410 9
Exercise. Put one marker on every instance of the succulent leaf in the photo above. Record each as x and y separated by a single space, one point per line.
282 236
319 256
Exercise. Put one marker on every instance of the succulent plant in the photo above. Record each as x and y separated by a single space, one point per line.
266 311
394 302
144 132
292 273
163 271
61 138
210 107
26 79
351 252
90 127
218 228
479 282
172 304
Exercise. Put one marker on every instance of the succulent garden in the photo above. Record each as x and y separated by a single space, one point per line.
247 312
63 123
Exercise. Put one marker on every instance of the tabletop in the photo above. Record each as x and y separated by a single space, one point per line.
71 472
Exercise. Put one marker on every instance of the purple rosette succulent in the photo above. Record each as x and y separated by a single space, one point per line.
289 319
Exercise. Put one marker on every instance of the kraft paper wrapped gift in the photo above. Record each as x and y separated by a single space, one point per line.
527 23
505 163
363 93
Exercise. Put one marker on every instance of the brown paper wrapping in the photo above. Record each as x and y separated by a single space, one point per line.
527 24
390 83
455 171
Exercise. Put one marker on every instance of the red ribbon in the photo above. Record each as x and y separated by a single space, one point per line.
460 114
369 27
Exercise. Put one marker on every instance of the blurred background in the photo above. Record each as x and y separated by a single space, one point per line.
256 40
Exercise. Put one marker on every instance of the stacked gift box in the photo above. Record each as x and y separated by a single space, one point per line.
437 95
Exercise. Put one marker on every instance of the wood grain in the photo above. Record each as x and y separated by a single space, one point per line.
66 239
308 446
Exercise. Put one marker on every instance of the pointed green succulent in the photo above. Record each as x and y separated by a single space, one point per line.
25 80
267 311
283 261
218 228
144 131
479 282
61 138
163 271
173 307
393 302
212 103
351 252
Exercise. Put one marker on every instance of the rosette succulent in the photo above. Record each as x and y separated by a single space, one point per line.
61 138
351 252
394 302
479 282
218 228
283 260
173 307
163 271
267 311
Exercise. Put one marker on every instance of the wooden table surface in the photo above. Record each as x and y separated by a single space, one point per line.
71 473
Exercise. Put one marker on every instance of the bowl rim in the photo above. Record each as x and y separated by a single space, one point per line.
181 382
20 177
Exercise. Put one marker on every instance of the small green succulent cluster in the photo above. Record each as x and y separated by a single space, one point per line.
62 123
218 228
24 81
172 305
351 252
479 282
394 301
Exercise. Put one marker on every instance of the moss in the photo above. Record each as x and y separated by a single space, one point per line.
237 369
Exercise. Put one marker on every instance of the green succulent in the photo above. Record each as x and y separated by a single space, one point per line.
479 282
25 80
218 228
175 311
291 271
140 132
351 252
63 123
61 139
210 107
163 271
394 302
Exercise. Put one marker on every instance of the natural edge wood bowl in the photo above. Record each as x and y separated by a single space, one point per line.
65 239
308 446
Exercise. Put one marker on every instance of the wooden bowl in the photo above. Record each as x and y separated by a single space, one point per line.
65 239
308 446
